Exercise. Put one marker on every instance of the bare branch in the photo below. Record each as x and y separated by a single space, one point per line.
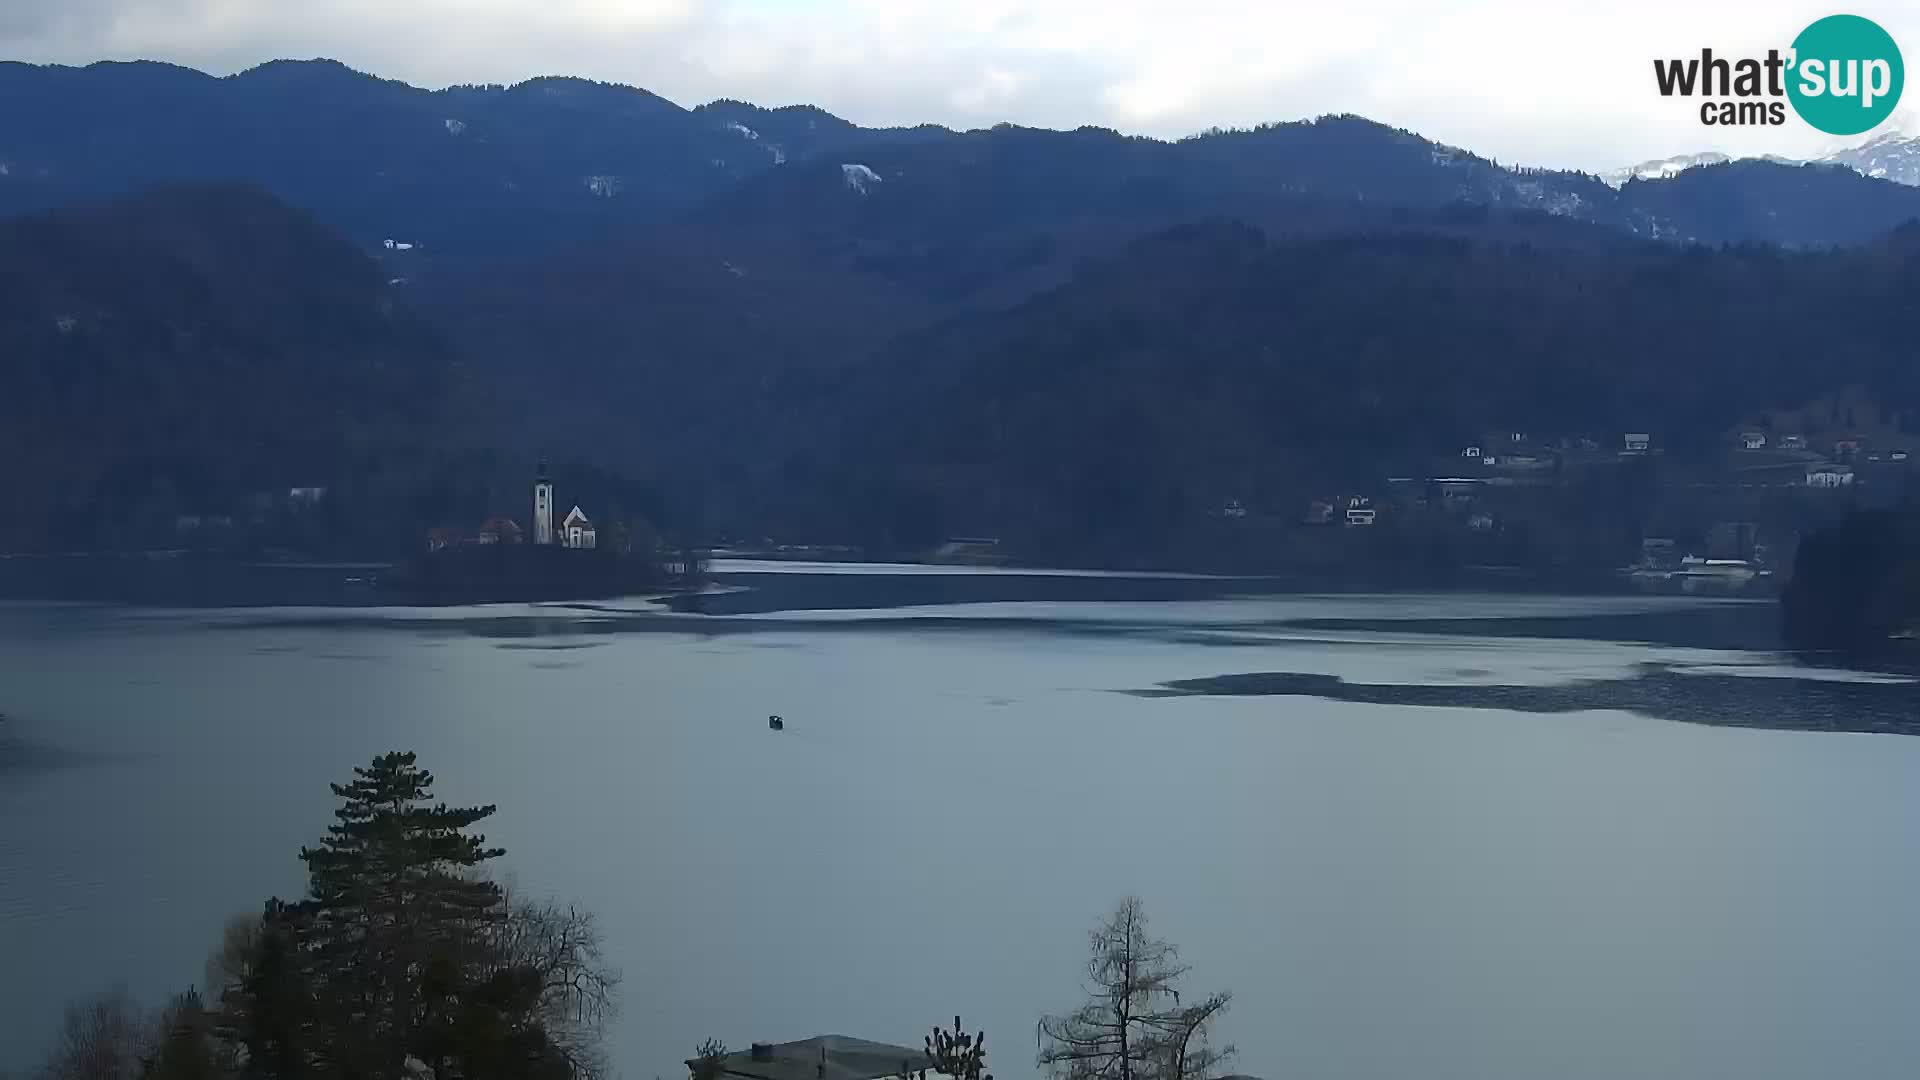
104 1037
1135 1026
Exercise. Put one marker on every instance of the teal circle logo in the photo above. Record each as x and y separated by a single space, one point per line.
1847 75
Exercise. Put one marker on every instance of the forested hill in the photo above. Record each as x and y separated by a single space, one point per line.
1209 362
481 170
794 322
509 171
169 355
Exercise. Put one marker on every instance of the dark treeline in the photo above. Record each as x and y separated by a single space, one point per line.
1212 362
402 960
1856 586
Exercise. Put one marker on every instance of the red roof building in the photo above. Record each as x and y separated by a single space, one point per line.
501 530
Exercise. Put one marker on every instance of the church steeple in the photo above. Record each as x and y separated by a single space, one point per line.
542 505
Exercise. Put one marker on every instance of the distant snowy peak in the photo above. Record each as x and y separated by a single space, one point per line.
1662 168
1894 155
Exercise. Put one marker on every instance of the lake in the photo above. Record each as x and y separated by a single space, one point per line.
1421 835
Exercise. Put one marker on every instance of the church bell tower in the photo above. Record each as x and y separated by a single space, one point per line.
542 506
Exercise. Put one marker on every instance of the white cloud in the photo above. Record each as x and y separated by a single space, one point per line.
1547 82
990 95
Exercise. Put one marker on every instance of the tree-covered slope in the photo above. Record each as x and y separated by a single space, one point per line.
170 353
1209 362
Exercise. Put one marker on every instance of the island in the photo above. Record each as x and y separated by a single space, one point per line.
501 562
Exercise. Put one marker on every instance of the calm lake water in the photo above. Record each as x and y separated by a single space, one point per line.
1426 836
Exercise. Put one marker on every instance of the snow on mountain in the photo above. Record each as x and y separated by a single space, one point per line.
1894 154
859 176
778 155
1553 200
1891 154
1661 168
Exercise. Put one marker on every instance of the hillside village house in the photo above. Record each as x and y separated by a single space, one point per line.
1360 511
1830 476
1793 442
1524 461
1637 442
500 530
1753 440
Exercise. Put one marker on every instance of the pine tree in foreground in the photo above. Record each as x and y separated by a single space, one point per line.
402 958
392 924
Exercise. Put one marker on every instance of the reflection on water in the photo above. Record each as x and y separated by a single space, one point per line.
1530 872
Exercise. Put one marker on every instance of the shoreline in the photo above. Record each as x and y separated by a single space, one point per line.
200 580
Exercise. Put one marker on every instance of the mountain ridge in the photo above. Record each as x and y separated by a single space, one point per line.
540 165
693 295
1891 152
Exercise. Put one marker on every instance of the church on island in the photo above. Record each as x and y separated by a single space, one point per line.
575 531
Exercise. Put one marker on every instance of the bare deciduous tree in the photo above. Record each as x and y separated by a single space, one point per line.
104 1037
1180 1040
578 992
231 961
1134 1025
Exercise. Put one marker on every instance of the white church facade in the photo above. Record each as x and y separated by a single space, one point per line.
576 529
577 532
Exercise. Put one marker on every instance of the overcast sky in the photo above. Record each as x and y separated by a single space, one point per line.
1536 82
